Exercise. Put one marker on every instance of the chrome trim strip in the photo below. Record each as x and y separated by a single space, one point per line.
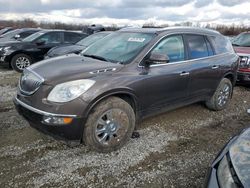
40 111
188 60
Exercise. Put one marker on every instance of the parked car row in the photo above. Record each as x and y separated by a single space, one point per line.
21 54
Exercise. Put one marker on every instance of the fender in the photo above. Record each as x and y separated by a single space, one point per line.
117 91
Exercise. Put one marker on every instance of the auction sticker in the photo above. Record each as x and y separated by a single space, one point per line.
133 39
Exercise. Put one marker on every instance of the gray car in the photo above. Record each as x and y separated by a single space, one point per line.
99 97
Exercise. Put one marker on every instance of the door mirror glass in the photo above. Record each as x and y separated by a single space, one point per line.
158 58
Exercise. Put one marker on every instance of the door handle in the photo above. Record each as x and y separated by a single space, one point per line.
215 67
184 73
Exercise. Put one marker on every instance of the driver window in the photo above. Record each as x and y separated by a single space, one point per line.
173 47
51 38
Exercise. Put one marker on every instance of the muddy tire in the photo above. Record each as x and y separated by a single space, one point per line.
110 125
20 61
222 96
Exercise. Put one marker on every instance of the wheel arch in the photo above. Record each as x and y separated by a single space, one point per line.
125 94
231 76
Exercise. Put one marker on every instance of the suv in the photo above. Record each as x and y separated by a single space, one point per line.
131 74
241 44
21 54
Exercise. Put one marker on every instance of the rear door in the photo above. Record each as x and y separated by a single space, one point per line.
204 66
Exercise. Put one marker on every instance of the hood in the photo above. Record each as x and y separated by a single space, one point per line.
13 43
240 156
7 40
242 50
63 50
71 67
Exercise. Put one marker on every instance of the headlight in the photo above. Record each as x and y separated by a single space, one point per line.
69 90
224 175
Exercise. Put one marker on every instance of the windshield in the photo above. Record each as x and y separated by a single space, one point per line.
11 33
119 47
33 37
242 40
91 39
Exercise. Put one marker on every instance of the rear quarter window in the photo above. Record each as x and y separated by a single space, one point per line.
221 44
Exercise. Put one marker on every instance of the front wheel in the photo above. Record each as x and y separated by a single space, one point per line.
110 125
20 61
222 96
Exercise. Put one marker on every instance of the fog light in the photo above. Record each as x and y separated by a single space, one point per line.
56 120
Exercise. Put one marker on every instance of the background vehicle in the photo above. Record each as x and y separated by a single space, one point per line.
128 75
231 168
5 30
241 44
78 47
18 34
21 54
95 28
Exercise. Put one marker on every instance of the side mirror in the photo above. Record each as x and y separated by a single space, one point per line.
40 42
17 36
157 58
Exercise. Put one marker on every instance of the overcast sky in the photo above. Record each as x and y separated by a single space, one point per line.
128 12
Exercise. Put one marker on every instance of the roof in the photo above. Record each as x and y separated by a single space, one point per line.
170 29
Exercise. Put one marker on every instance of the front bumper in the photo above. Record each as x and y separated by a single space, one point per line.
71 132
243 77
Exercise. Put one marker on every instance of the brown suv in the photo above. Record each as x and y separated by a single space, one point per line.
97 97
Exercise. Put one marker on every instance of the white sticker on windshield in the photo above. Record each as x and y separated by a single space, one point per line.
133 39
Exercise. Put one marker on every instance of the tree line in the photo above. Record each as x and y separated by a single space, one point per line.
224 29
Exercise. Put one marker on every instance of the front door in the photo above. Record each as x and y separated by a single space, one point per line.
166 84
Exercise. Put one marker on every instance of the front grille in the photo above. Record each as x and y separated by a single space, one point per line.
29 82
244 62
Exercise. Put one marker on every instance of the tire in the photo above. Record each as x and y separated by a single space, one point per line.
20 61
113 117
221 96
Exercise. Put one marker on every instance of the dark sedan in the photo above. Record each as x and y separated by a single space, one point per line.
18 34
231 168
78 47
21 54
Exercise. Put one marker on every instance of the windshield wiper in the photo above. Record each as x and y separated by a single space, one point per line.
96 57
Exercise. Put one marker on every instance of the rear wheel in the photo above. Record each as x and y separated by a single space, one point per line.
110 125
222 96
20 61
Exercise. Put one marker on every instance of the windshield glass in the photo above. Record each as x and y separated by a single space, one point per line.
91 39
242 40
11 33
33 37
119 47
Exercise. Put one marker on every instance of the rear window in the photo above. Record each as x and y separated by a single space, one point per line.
221 44
197 46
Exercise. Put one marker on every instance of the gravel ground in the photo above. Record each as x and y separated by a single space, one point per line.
174 149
